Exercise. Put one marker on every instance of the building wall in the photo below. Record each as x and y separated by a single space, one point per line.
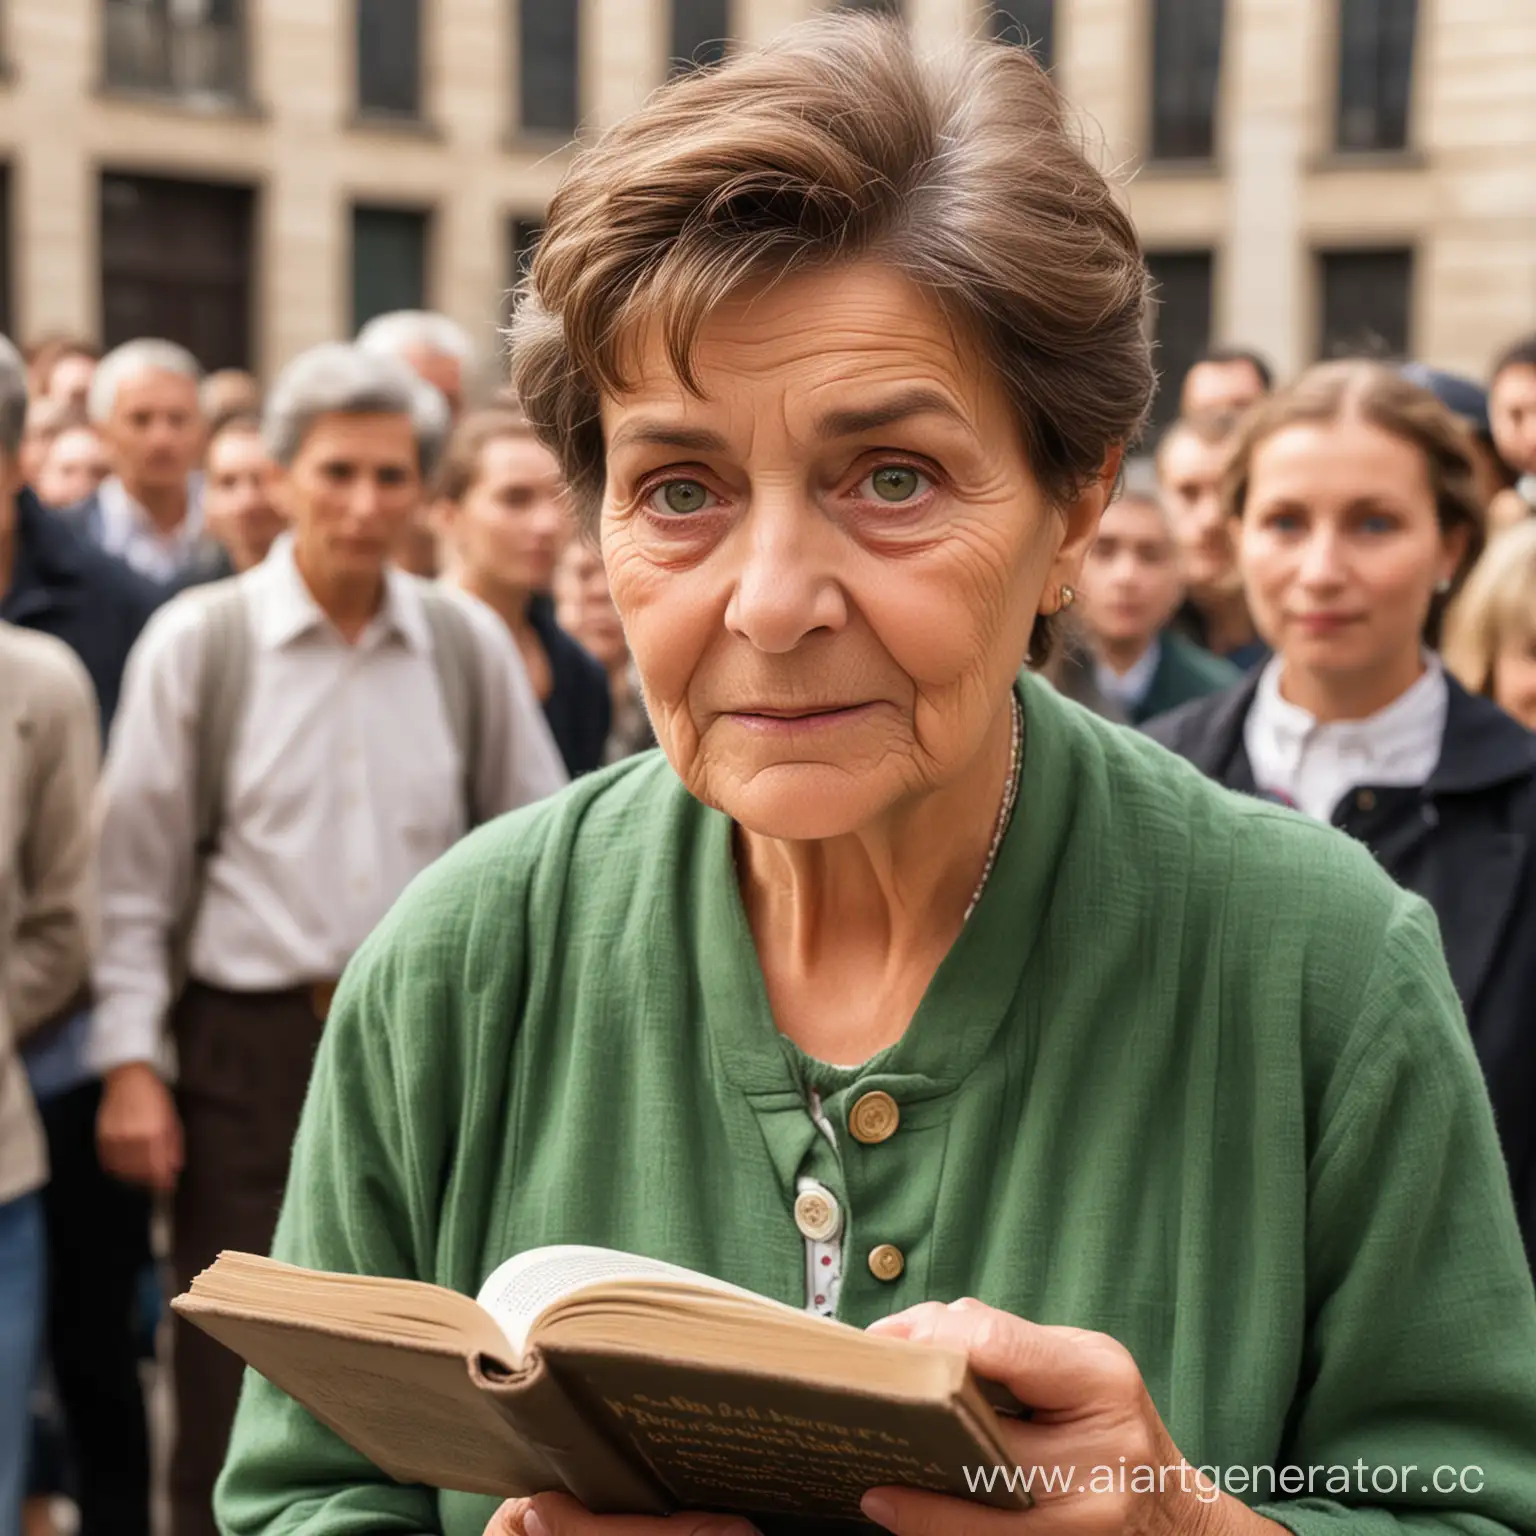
1464 197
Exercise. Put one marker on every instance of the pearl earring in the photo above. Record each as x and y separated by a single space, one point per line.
1443 585
1066 599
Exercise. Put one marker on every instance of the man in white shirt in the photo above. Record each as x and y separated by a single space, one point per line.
375 719
439 352
144 403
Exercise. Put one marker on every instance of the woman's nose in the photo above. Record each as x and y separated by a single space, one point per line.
1321 559
787 587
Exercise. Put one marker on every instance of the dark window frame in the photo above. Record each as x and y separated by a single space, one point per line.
1008 21
145 51
425 216
1188 41
409 106
552 25
1162 264
1332 265
697 40
1373 76
190 268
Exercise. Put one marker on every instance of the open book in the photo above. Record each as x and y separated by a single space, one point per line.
637 1386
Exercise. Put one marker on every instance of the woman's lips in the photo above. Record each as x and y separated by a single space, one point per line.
1324 623
776 722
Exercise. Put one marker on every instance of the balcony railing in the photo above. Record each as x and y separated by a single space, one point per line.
151 49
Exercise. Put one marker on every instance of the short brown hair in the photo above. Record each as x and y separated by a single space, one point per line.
1379 394
460 466
837 142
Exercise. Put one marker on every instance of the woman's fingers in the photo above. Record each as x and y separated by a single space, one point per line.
1049 1369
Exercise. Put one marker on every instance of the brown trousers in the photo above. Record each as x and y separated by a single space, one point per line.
243 1067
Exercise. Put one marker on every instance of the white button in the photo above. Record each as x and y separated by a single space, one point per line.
817 1214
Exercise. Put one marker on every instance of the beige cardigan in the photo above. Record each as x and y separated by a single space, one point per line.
49 757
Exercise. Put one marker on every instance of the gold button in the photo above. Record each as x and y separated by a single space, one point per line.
874 1118
817 1215
1366 800
886 1262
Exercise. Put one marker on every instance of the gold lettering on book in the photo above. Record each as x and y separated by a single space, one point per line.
764 1457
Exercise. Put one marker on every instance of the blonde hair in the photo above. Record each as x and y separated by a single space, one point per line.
834 144
1380 395
1499 599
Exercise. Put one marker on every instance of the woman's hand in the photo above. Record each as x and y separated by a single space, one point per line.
557 1514
1092 1412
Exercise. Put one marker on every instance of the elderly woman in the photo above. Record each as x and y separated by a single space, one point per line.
1154 1099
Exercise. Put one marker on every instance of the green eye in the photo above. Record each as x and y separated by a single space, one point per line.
896 482
680 496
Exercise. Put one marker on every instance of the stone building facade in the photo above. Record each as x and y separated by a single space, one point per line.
259 174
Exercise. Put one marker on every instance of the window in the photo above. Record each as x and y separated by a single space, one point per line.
191 48
1367 303
389 58
1375 71
176 262
549 64
1181 323
1186 65
700 29
1030 22
389 262
523 236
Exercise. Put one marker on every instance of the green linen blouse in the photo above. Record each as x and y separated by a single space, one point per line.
1194 1074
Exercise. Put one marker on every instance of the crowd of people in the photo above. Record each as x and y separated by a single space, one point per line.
322 630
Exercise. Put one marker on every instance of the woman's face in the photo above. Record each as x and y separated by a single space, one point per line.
829 566
1514 674
1340 547
512 522
584 606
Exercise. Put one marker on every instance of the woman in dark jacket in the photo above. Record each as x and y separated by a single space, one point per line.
500 504
1356 521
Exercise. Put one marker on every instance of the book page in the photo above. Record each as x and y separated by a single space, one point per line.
525 1286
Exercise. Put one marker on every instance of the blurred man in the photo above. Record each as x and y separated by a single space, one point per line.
1225 382
148 512
229 392
54 582
47 924
237 492
1190 461
439 352
1512 416
434 347
1130 590
367 720
73 467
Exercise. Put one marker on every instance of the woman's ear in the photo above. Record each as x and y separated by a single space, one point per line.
1081 519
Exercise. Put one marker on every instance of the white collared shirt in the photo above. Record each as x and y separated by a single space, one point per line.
1129 688
1313 765
130 533
344 782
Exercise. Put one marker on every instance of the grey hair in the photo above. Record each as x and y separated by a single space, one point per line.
416 330
338 378
13 398
129 361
